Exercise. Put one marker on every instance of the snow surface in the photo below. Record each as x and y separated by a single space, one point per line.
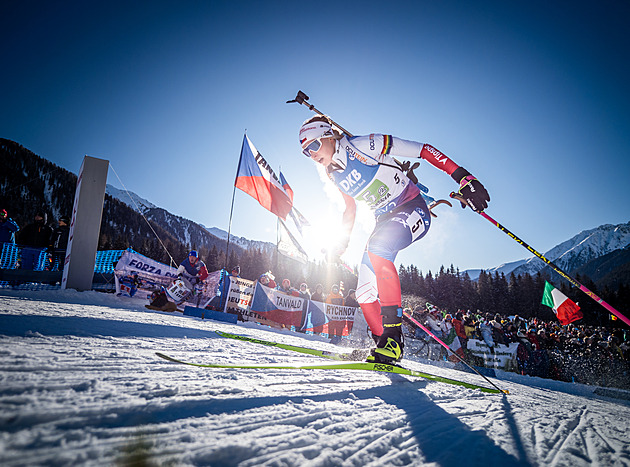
80 384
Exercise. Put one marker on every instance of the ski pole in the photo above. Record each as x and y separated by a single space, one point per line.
301 98
443 344
572 281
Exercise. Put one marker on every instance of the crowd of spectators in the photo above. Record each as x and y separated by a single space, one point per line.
574 352
35 238
335 296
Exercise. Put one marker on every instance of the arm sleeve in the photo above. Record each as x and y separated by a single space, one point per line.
381 146
438 159
435 157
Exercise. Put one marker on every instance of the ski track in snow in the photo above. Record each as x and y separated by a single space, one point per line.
80 384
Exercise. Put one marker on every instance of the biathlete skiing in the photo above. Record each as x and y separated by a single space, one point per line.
363 169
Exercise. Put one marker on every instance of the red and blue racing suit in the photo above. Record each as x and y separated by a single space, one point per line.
363 168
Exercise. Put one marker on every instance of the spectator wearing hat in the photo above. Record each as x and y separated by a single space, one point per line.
59 243
351 299
34 238
334 297
335 328
8 227
304 292
318 295
267 280
285 287
523 351
192 269
434 322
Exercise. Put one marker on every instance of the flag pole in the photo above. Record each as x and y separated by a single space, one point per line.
240 157
549 263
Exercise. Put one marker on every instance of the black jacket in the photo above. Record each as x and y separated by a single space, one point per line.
34 235
59 237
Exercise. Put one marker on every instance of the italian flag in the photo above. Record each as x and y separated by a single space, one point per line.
565 309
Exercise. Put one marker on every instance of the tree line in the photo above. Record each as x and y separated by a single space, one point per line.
521 295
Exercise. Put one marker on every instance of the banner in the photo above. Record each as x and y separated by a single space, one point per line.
278 307
504 357
334 320
239 296
138 275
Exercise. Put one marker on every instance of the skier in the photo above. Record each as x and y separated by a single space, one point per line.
363 169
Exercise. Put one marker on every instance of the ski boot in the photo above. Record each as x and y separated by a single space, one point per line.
389 348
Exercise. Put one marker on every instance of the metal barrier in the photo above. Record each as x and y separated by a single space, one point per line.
11 254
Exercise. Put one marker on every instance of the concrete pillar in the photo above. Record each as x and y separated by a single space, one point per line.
78 270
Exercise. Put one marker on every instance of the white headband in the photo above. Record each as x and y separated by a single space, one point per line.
313 130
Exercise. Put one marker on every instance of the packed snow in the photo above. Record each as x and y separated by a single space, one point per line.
81 385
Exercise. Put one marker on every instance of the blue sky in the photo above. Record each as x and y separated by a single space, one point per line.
531 97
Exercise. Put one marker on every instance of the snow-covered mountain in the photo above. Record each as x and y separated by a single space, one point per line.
505 268
131 199
187 231
572 254
241 241
579 250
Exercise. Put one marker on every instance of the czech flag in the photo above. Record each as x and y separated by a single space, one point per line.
256 178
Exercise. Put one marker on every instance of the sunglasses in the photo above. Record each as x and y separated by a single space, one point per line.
312 146
315 144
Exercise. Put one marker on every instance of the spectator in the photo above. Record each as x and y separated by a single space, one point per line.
286 288
318 296
59 243
458 324
34 238
434 322
523 352
446 325
192 270
420 314
334 297
304 292
486 334
160 302
224 286
497 330
533 338
335 328
470 327
8 227
267 280
351 299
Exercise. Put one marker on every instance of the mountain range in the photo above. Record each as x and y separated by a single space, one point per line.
602 254
28 182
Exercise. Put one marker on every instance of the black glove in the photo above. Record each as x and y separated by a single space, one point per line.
471 190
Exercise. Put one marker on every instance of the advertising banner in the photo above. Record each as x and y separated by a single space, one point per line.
277 307
239 297
335 320
504 356
138 275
